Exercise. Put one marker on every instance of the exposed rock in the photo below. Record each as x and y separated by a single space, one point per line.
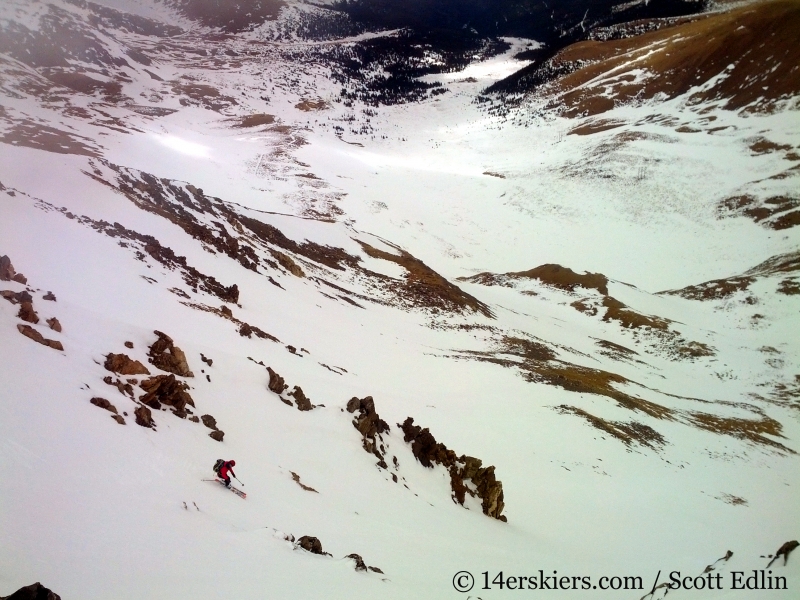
369 425
287 263
54 324
784 551
128 344
103 403
144 417
303 403
22 296
165 355
7 271
360 566
206 360
124 365
311 544
31 333
20 278
194 419
124 388
165 389
226 311
26 313
428 451
217 435
35 591
276 383
49 296
375 570
296 479
118 419
209 422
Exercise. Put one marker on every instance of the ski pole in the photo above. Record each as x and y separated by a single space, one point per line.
237 479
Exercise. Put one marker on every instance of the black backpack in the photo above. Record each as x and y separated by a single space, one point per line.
218 465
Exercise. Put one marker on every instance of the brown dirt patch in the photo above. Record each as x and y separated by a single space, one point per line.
202 94
762 145
255 120
753 430
425 287
789 287
309 105
628 433
565 278
631 319
31 134
713 290
595 127
616 351
775 212
83 84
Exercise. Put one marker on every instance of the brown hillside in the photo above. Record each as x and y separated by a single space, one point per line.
751 53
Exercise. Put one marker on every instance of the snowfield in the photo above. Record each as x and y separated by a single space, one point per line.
217 188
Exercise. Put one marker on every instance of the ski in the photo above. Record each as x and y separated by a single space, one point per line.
236 491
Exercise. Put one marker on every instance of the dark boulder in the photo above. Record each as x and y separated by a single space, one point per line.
311 544
35 591
144 417
124 365
165 355
103 403
26 313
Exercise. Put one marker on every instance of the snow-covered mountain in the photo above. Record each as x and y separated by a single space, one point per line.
454 301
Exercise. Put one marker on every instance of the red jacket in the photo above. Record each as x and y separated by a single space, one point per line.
223 470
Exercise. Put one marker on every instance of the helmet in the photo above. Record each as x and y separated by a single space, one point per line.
232 463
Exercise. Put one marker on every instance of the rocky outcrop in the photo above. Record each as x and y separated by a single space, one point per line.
31 333
166 389
144 417
49 296
484 484
26 313
206 360
360 566
54 324
276 384
217 435
124 365
303 403
16 297
7 272
370 426
6 269
165 355
35 591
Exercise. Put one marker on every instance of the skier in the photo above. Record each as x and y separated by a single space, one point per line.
227 466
